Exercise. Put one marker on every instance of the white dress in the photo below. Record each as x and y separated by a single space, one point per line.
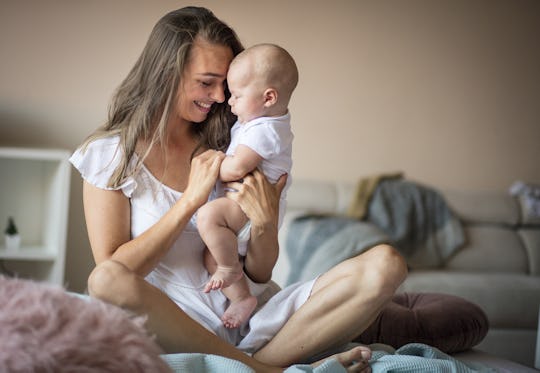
181 273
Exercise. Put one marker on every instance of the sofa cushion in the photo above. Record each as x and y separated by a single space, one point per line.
491 248
484 207
317 197
531 240
447 322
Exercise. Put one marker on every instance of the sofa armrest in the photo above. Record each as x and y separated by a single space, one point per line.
531 241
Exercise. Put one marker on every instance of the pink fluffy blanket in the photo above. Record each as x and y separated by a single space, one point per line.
43 328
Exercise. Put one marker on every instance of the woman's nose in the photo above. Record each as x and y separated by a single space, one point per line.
218 94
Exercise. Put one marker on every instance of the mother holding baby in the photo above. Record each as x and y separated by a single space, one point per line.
150 168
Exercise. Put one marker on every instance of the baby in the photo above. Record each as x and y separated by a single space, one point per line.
261 80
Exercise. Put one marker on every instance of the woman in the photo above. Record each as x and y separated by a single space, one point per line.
149 169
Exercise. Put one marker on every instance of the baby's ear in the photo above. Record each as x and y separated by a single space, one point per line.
270 97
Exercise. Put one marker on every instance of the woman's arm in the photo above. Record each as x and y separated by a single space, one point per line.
259 199
235 167
108 220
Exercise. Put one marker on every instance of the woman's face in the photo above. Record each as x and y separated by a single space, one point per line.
203 80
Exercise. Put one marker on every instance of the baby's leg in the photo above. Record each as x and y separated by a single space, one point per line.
241 306
242 303
218 221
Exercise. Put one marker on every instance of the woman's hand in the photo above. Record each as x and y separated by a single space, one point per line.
203 176
259 199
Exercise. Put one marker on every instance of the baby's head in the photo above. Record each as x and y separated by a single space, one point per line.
261 79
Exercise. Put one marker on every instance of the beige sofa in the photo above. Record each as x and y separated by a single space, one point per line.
498 268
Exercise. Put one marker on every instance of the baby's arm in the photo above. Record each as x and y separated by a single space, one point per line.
235 167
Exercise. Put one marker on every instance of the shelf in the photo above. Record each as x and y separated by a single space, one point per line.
28 253
34 154
34 190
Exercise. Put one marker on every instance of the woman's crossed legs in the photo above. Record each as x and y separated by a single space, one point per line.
343 303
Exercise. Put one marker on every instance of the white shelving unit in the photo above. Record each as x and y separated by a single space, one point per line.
34 190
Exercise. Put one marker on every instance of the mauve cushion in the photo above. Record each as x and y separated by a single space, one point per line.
444 321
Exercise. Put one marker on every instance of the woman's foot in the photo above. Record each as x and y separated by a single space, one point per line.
224 277
354 360
239 312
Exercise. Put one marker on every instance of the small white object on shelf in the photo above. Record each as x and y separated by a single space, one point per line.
34 189
13 239
13 242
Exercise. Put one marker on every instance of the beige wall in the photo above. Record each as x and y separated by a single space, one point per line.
445 91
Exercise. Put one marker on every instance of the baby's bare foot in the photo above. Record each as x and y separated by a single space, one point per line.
223 277
239 312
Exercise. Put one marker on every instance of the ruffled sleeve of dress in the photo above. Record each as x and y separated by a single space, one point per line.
98 161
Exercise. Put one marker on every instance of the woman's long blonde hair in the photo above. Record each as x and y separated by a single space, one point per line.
143 102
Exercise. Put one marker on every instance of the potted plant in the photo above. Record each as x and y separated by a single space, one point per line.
13 239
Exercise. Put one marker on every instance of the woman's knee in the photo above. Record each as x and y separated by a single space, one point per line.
105 278
382 267
389 266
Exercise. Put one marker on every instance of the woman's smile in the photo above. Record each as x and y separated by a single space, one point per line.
204 107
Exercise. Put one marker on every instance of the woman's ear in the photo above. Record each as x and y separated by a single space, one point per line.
270 97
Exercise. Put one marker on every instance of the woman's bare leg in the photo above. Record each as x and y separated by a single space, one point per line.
343 303
176 331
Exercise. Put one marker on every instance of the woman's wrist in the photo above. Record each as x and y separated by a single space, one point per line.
189 205
263 251
264 228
